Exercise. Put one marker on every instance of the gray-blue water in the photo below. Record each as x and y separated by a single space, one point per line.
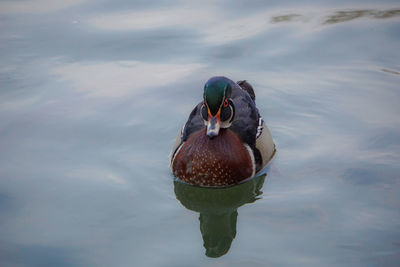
93 94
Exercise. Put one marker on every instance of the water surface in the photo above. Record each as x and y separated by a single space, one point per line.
93 93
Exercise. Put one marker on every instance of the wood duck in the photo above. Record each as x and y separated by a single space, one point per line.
225 140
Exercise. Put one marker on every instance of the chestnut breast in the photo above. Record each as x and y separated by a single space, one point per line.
220 161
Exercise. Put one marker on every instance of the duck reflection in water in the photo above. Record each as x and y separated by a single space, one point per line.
218 210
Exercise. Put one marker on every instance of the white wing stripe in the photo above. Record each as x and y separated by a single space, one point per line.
260 127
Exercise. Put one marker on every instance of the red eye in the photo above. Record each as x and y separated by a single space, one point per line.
225 102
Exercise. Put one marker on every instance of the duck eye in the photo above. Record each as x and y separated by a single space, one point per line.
225 103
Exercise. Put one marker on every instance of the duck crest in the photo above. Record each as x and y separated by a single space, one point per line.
223 160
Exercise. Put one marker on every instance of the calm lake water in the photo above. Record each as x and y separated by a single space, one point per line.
93 94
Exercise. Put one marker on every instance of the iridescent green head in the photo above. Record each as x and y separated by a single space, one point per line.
217 110
216 90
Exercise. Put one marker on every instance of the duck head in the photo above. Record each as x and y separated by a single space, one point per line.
217 110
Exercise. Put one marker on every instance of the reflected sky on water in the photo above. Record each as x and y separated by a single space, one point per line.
93 93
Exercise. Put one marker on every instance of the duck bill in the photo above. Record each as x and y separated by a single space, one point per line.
213 126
